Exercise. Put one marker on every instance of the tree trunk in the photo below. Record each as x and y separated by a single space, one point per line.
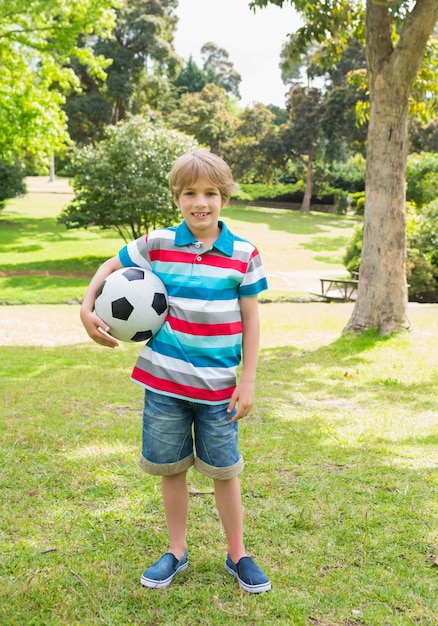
307 198
382 291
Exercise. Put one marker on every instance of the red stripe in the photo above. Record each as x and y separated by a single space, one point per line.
206 330
191 393
172 256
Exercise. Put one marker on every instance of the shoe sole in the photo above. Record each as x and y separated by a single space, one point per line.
249 588
159 584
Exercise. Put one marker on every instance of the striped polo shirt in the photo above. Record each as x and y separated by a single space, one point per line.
196 352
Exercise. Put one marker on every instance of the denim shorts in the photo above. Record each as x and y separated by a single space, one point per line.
179 433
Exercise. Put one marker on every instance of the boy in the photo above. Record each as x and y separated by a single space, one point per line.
189 367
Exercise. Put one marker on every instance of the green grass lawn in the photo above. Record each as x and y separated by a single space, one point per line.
33 243
340 488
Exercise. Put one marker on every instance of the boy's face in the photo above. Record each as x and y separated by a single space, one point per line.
200 205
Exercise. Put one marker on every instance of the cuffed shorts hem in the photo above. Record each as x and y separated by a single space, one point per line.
171 469
166 469
221 473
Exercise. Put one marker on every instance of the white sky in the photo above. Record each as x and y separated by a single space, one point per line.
253 41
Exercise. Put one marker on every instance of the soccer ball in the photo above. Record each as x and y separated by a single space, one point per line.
133 302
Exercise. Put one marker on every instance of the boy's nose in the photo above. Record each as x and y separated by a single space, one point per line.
200 201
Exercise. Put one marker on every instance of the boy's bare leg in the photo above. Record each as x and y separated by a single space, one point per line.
229 504
176 502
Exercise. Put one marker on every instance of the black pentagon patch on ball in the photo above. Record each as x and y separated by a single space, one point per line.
142 336
159 303
134 273
121 309
99 291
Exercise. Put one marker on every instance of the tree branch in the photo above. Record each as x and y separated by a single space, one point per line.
413 39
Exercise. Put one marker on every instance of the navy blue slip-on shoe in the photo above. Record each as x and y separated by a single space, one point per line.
251 578
161 573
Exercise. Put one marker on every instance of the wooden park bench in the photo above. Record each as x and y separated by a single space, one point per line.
338 289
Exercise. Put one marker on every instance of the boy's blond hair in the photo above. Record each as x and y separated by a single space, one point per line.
199 164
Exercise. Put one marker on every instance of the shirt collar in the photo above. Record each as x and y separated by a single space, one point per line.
224 243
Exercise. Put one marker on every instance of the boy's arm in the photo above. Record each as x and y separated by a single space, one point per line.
244 393
92 323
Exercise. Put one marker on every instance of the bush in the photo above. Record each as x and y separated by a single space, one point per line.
281 192
348 175
11 181
122 183
358 202
422 178
422 255
341 202
353 253
422 278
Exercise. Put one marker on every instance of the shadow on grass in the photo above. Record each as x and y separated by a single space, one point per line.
88 264
44 229
331 377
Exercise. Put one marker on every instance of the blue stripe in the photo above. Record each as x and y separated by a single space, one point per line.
198 360
125 259
254 289
194 292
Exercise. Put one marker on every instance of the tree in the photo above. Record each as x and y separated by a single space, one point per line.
122 183
11 181
346 87
396 35
216 69
38 41
191 78
142 64
205 115
219 69
255 152
303 132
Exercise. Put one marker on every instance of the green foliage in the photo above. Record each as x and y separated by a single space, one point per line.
425 235
348 175
422 178
351 258
422 255
256 152
216 69
327 23
191 77
142 38
11 181
122 183
358 202
257 191
38 41
422 277
423 137
219 69
205 115
305 110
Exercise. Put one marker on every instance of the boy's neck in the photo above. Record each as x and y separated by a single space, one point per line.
207 239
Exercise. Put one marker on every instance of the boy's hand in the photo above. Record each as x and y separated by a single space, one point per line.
97 329
243 397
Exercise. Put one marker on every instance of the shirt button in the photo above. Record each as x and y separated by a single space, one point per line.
199 259
197 244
